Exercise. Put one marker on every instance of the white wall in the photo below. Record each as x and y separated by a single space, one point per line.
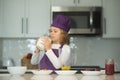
85 50
94 51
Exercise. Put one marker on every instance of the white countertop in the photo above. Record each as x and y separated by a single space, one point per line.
5 70
59 77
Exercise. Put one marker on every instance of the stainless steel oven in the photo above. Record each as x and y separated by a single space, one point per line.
85 20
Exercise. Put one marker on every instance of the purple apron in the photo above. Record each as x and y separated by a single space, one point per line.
45 63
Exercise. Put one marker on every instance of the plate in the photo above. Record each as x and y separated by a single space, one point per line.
39 72
66 72
42 77
91 73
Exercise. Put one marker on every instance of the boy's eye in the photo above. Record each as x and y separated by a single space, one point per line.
50 30
55 31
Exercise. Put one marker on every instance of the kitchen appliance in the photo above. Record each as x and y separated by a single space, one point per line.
85 20
6 62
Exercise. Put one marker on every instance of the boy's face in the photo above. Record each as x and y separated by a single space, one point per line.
55 34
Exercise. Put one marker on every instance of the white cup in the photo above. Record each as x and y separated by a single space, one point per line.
40 44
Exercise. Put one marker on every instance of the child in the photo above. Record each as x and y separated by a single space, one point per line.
57 51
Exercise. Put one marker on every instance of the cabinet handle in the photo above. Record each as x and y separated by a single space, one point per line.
27 25
78 1
104 25
74 1
22 26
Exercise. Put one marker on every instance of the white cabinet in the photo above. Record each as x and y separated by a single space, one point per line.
13 15
63 2
77 2
38 17
25 18
89 2
111 24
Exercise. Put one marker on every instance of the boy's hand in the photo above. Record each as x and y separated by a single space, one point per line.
47 43
37 51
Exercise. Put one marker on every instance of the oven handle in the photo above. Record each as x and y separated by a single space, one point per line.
78 1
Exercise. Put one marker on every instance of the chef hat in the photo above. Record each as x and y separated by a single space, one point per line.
62 22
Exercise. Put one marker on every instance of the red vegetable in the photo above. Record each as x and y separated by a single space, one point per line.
29 55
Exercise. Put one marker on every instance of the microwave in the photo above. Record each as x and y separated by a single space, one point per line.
85 20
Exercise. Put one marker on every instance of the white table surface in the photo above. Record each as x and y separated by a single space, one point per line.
30 76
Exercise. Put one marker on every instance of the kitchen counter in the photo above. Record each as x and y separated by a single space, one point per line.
30 76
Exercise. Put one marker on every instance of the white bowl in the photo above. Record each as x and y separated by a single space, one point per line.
65 72
39 72
17 70
91 73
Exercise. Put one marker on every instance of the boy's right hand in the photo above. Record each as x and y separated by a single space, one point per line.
37 50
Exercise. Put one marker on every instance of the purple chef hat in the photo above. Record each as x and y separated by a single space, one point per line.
62 22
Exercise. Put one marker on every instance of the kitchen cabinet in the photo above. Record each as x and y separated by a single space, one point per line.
25 18
77 2
38 17
13 11
111 20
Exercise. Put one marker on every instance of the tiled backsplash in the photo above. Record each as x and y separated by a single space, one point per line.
85 50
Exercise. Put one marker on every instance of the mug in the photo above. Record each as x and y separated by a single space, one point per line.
40 44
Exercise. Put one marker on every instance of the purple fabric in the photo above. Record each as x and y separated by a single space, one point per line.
62 22
45 63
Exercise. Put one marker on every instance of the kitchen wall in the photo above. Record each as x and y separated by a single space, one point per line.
85 50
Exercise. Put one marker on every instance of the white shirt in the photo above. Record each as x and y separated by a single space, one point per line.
56 61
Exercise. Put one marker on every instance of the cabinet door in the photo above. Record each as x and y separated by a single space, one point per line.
38 17
77 2
63 2
13 11
89 3
111 18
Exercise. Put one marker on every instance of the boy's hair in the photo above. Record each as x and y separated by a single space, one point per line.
65 39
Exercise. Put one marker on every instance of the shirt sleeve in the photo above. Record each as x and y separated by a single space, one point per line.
36 58
62 59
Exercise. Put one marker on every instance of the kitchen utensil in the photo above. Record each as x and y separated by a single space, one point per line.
7 62
17 70
39 72
91 73
65 72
